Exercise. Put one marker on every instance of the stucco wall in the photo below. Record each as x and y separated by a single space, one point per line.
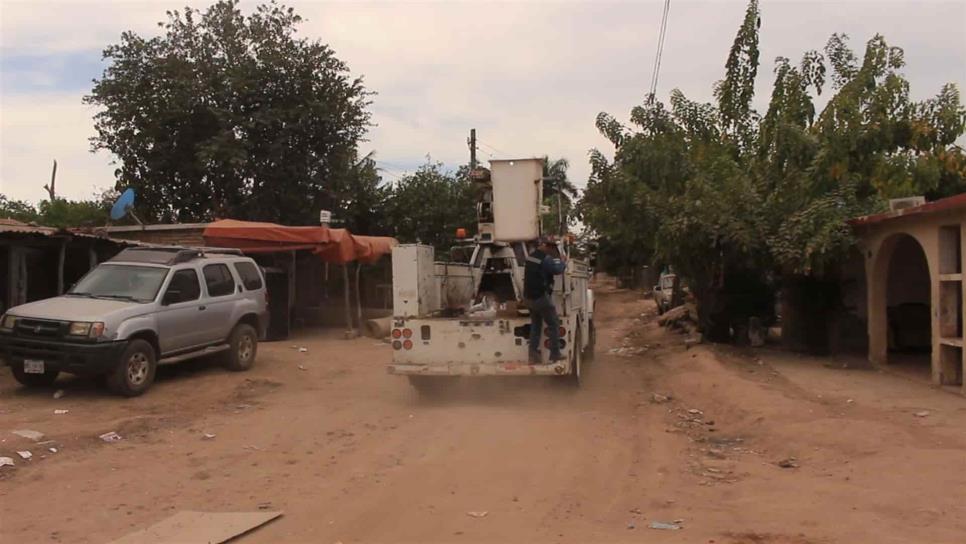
879 243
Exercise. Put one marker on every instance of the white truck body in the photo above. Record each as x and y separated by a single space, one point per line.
444 336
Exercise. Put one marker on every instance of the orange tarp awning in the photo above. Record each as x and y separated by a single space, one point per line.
332 245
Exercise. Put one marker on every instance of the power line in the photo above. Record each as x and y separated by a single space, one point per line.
660 51
495 150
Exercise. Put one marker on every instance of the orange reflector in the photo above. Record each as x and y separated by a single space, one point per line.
460 233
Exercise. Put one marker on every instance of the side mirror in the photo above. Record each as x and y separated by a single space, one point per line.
171 296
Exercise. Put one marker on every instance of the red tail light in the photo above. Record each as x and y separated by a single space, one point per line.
408 344
407 333
396 333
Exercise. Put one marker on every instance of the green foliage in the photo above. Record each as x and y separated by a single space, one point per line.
559 194
229 115
60 213
430 204
19 210
720 192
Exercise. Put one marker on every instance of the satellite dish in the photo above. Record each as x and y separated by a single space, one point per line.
124 205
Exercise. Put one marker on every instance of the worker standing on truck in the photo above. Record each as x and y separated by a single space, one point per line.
542 265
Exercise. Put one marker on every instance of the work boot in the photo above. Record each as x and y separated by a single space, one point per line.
535 358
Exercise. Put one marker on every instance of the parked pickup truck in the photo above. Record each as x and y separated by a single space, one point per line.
144 307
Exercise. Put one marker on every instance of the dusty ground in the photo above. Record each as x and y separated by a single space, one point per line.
351 454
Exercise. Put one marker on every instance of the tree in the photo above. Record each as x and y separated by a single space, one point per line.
60 212
229 115
735 201
430 204
559 194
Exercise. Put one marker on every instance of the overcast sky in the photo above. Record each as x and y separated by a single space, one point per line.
529 76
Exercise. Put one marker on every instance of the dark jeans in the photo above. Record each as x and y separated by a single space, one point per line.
542 311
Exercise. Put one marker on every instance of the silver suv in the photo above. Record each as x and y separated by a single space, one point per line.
144 307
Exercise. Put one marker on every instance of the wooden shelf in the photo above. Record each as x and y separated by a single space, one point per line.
950 277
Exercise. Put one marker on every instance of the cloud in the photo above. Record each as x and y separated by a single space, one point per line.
530 77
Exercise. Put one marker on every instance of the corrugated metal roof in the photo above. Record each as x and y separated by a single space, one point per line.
957 202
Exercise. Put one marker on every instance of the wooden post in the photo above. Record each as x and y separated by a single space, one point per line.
61 257
349 331
358 295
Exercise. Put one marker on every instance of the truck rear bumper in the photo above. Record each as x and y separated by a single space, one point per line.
509 368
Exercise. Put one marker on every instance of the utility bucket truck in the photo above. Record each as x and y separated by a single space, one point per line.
470 319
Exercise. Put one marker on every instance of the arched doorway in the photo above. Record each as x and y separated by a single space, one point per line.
908 312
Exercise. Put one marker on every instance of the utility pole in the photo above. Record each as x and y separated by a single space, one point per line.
472 143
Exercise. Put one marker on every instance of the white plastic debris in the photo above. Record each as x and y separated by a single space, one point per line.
53 450
32 435
110 437
303 350
695 411
207 436
60 412
302 367
923 413
59 393
4 461
664 526
25 454
481 514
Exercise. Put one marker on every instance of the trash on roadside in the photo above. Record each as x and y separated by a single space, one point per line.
52 450
635 511
791 462
923 413
25 454
32 435
207 436
4 461
264 505
110 437
658 398
59 393
303 350
695 411
481 514
678 521
60 412
302 367
664 526
630 525
850 401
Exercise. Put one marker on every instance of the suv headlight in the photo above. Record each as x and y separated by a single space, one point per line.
84 328
8 322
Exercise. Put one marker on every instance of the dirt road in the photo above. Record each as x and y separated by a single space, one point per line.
351 454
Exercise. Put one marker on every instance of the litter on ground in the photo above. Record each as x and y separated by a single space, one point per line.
664 526
32 435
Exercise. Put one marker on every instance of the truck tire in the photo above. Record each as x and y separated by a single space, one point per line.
574 378
134 373
32 380
591 342
243 346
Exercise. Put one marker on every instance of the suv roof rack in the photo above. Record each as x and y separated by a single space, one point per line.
168 255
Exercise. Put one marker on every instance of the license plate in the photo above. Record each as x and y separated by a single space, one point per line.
32 366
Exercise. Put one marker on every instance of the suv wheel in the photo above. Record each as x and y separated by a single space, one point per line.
134 374
33 380
243 345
